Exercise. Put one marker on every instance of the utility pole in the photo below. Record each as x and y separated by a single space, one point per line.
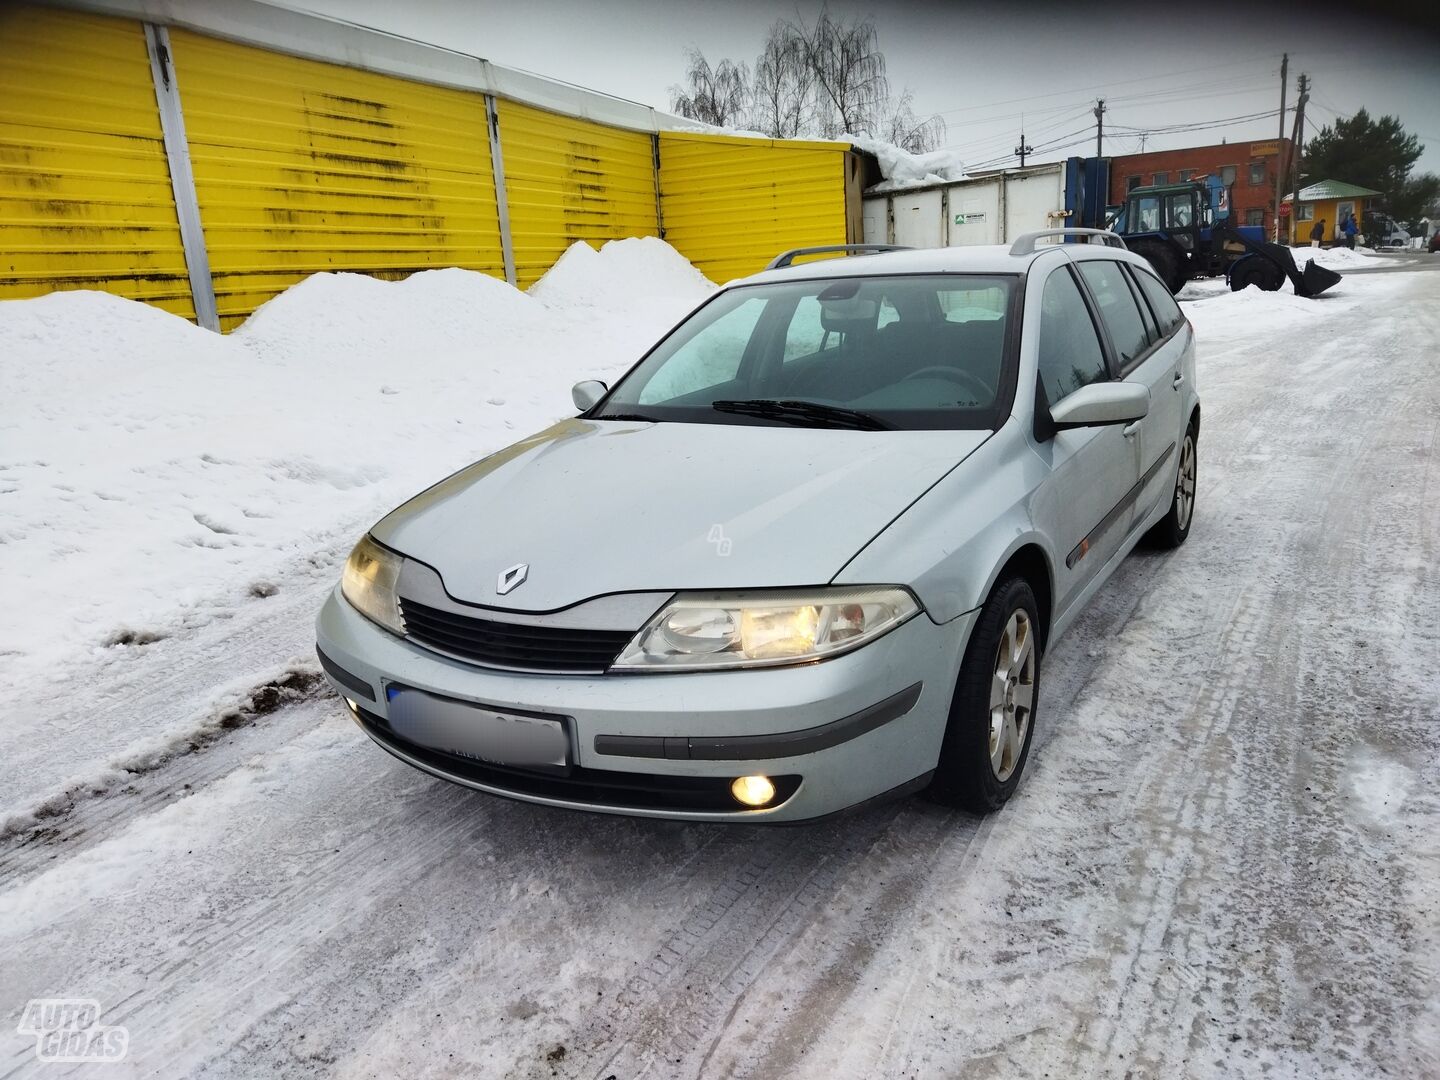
1299 139
1281 161
1099 112
1024 147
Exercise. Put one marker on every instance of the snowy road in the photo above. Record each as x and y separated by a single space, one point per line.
1224 859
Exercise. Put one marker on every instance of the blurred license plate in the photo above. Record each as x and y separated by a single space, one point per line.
473 731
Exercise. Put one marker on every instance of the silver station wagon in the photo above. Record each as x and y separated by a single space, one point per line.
809 551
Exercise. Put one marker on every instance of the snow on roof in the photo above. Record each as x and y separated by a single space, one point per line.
1331 189
903 169
900 168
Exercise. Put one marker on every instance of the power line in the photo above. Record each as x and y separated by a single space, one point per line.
1106 85
985 144
1199 125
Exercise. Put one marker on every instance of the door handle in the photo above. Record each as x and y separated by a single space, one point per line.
1179 378
1130 430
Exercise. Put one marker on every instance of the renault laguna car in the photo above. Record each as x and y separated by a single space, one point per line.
809 551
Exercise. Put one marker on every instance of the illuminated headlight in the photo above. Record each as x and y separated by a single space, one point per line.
369 584
702 632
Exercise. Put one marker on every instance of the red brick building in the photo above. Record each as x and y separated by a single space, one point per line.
1251 168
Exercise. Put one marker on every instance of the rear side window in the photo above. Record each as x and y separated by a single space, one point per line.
1070 353
1167 312
1152 331
1117 307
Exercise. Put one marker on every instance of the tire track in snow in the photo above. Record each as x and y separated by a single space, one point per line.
1158 1019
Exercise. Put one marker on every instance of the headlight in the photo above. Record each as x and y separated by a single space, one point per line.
701 632
369 584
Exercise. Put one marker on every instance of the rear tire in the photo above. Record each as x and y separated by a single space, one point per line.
1164 261
1174 527
992 715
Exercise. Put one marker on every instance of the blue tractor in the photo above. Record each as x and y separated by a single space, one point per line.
1185 232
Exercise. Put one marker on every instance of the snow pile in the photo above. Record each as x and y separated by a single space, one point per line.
608 277
154 476
903 169
1339 258
333 318
1223 319
1224 313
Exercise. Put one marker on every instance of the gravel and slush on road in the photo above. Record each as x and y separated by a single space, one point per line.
1224 859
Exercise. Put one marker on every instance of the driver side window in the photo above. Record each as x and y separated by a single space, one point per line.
1069 354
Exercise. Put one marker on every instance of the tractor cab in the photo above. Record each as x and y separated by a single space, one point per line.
1178 210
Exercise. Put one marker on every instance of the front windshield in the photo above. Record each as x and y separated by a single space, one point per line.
904 352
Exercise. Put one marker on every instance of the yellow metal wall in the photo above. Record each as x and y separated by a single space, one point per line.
731 205
303 166
85 197
568 179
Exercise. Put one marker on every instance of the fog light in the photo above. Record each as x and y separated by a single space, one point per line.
354 706
752 790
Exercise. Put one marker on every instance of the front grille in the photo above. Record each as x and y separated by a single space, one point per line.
513 645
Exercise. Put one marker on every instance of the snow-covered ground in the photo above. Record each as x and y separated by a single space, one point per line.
1223 860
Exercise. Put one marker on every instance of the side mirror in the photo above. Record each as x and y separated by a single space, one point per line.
586 395
1100 404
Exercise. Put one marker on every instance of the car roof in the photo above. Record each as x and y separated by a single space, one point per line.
977 259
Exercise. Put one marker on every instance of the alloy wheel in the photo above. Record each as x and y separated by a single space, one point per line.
1012 695
1185 483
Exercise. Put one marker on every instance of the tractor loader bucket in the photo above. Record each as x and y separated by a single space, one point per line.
1312 281
1315 280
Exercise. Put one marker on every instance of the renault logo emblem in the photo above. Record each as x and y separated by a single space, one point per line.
511 578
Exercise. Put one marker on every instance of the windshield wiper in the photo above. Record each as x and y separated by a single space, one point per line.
803 413
628 416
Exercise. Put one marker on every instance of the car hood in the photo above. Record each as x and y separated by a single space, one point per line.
596 507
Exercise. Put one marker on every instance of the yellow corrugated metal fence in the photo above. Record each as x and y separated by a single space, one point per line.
568 179
85 197
732 204
301 166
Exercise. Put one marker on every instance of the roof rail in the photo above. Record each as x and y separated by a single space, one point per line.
788 257
1025 245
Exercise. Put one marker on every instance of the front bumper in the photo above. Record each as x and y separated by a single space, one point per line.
667 745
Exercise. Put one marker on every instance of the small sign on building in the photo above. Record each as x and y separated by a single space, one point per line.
1262 149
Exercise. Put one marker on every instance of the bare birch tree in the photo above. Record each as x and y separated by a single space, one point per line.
848 69
902 128
783 86
822 80
718 95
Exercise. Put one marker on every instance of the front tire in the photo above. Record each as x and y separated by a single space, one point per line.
992 715
1174 527
1256 271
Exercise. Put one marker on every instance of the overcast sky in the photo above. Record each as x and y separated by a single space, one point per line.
980 65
